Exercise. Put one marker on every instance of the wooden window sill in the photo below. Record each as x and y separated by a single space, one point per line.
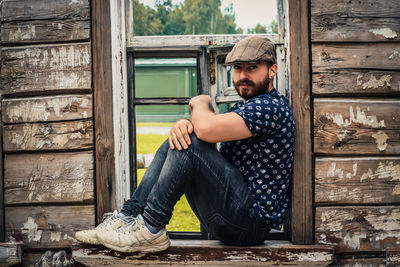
209 253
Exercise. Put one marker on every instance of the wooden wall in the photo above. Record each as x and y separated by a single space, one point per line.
355 47
47 118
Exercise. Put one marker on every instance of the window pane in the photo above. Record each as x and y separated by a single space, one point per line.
182 17
161 113
165 77
150 134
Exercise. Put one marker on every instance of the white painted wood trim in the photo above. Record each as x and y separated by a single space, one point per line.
120 102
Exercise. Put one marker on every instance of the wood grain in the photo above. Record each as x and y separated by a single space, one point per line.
358 81
49 178
10 253
302 206
357 180
43 109
358 228
46 68
48 136
103 107
382 56
48 227
343 126
355 21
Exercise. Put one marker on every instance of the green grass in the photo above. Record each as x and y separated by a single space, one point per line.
183 218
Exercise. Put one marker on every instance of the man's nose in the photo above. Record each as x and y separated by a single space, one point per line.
243 75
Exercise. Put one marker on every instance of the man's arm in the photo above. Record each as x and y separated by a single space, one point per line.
214 128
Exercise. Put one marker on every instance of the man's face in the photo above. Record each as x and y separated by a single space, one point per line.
250 80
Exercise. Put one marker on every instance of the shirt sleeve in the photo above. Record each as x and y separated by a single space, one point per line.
257 114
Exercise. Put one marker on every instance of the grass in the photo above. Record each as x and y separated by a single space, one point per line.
183 218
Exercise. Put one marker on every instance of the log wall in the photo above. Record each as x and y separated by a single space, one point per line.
47 117
355 47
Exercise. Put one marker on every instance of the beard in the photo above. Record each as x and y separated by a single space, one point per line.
257 88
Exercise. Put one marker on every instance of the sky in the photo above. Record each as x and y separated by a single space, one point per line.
248 13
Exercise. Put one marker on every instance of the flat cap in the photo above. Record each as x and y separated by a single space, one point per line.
252 49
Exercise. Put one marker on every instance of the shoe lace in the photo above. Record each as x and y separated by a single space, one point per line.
135 224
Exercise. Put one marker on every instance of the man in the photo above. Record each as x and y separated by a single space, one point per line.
238 193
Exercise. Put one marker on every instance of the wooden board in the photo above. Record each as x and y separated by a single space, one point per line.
358 228
349 8
360 261
210 253
48 136
48 227
353 21
343 126
48 178
360 82
46 68
382 56
10 253
103 107
393 256
357 180
51 108
302 223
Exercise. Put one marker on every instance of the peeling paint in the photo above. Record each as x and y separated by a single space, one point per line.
352 240
334 225
396 190
358 117
386 32
387 221
384 171
333 171
373 82
381 139
30 228
394 55
55 236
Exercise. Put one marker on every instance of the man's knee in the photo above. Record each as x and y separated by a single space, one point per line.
195 142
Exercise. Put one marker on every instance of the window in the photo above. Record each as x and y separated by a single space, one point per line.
194 65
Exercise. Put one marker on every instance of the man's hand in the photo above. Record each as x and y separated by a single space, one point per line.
179 134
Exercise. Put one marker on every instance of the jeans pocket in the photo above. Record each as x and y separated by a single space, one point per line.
225 231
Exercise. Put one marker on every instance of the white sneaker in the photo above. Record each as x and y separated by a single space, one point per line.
110 222
134 237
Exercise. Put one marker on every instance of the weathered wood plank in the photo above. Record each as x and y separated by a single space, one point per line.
357 180
393 257
44 31
48 136
356 126
27 10
331 28
103 107
48 227
360 261
382 56
46 68
358 228
352 9
210 253
351 21
51 108
356 82
48 178
10 253
302 222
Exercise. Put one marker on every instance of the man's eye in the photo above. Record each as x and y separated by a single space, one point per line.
236 67
252 67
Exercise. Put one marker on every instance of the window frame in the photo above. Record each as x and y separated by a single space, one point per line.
110 196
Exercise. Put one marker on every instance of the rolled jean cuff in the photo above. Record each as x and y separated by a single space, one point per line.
153 222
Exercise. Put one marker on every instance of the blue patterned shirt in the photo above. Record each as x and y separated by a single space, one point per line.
266 158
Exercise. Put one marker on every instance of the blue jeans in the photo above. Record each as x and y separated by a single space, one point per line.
215 190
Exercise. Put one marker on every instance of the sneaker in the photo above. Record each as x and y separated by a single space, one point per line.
134 237
110 222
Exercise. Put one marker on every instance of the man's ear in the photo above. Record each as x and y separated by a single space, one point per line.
273 69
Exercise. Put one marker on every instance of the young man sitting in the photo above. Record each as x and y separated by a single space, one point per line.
239 192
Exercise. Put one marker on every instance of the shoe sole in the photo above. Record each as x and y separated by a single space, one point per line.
90 241
153 248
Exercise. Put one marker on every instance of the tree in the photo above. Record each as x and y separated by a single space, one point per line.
191 17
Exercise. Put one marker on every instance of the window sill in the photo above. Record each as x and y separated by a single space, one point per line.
209 253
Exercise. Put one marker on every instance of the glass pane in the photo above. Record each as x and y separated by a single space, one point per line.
181 17
165 77
151 132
